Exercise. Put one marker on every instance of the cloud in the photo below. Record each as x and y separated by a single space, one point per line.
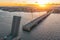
27 1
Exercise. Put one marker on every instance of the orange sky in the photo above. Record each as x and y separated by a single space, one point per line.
11 4
17 2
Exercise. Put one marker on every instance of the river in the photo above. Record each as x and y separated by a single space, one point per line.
48 29
7 17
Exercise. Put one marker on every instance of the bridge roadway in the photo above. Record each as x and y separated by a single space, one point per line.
48 29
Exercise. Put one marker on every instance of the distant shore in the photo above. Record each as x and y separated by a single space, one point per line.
21 9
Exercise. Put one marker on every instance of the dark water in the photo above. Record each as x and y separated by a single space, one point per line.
7 17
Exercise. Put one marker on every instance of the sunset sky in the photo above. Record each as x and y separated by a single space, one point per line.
16 2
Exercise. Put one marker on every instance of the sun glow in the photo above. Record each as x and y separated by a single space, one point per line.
43 3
